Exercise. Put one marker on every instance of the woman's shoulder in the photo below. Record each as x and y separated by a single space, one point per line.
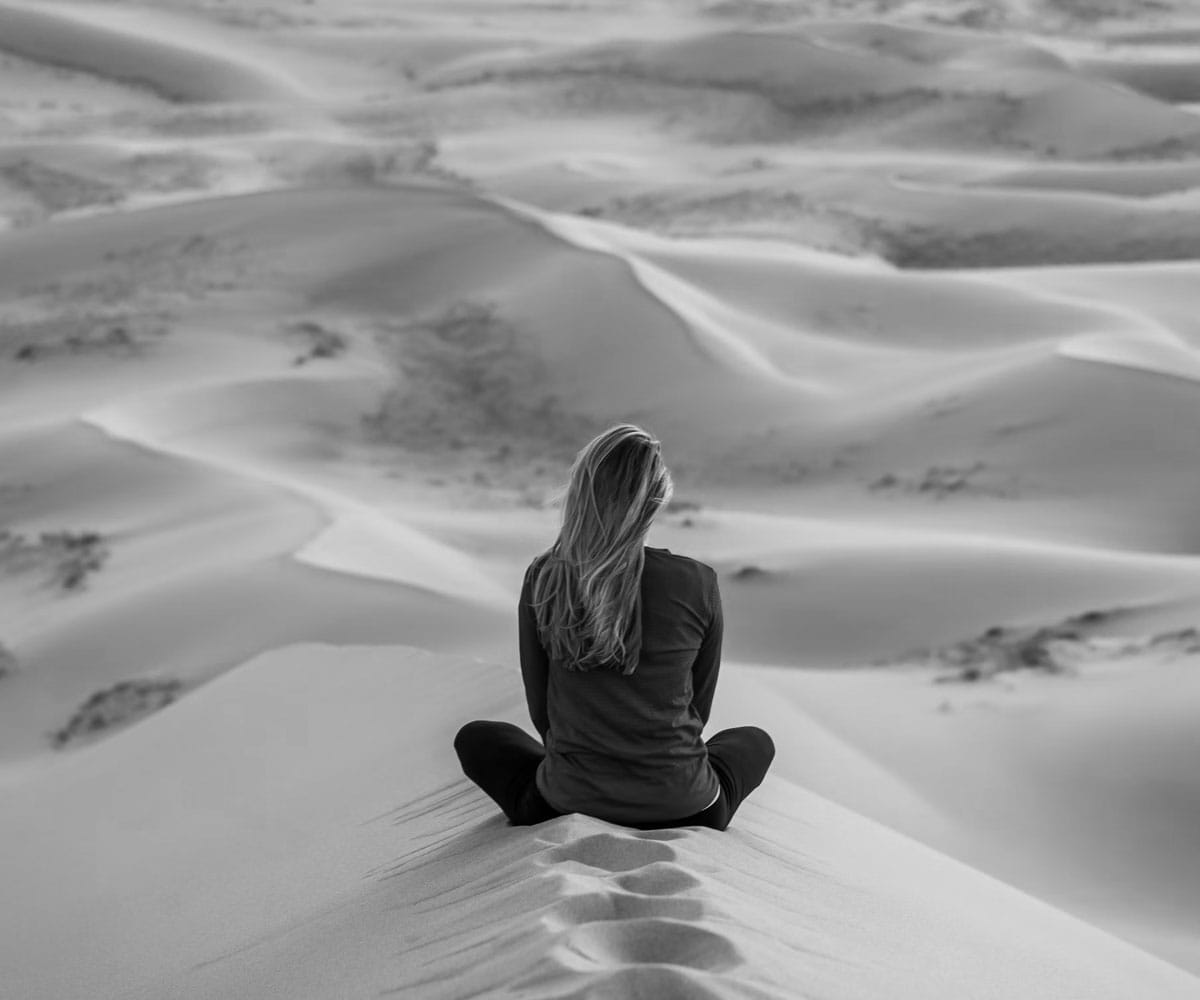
670 561
531 572
536 564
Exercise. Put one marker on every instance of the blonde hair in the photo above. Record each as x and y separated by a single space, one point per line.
587 588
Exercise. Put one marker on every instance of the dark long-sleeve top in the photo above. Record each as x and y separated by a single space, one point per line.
627 748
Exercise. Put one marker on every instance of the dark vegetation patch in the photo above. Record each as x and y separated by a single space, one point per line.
750 572
755 11
392 158
56 190
113 335
191 264
426 160
1183 147
317 342
471 396
942 481
1046 649
171 170
262 17
194 121
1001 649
919 247
153 276
1056 15
116 707
66 558
909 242
620 79
686 214
924 112
1088 12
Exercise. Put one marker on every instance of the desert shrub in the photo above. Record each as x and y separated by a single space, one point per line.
56 190
942 481
17 553
1055 648
78 554
320 342
114 335
467 383
759 11
69 557
116 707
1005 648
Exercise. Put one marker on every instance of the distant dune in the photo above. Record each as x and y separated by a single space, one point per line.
176 71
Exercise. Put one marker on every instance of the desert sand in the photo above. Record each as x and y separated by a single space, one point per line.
305 308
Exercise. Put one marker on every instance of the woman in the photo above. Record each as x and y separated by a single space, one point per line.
620 649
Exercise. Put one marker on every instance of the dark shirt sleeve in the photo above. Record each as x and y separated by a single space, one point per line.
708 658
534 662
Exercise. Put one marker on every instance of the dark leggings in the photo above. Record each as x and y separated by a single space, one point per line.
503 760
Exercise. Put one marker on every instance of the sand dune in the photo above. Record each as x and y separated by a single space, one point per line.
174 71
1177 82
192 545
993 95
575 907
305 310
1042 760
917 222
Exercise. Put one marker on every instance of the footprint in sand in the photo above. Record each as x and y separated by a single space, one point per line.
653 941
594 907
657 981
635 925
612 853
659 879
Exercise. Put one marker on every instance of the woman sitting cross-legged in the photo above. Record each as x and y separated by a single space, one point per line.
620 649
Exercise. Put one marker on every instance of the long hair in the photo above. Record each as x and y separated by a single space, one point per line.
586 589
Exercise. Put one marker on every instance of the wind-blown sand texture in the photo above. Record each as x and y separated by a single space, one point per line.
304 309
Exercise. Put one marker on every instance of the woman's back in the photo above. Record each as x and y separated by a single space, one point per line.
628 746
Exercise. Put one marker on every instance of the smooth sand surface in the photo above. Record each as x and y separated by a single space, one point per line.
304 310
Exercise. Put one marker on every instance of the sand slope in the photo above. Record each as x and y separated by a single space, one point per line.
309 850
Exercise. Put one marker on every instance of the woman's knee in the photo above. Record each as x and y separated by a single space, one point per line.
763 742
751 738
757 752
470 736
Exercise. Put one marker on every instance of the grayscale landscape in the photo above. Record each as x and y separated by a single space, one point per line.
305 308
